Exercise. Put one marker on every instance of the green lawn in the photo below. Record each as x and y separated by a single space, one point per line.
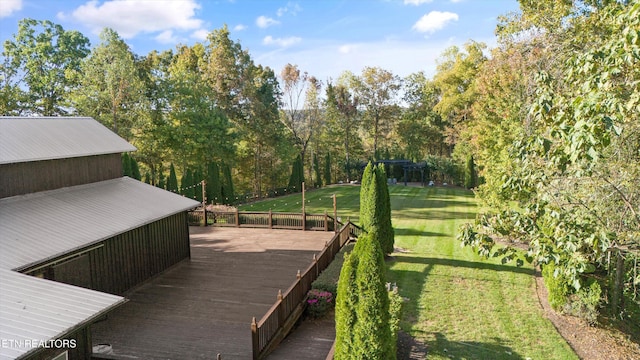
461 306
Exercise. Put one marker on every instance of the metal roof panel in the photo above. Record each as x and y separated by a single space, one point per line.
33 310
24 139
41 226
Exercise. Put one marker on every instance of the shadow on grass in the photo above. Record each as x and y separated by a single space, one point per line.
415 232
481 265
422 214
470 349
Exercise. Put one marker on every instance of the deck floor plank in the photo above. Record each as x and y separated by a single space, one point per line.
203 306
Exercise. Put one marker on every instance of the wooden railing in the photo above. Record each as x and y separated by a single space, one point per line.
267 333
270 220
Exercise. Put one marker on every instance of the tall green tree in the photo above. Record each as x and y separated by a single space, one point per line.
301 113
199 129
376 90
420 130
327 169
49 59
172 181
214 185
317 172
344 121
297 176
111 90
228 192
470 177
454 79
248 95
13 99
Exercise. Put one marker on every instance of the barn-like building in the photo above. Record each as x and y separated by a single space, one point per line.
75 234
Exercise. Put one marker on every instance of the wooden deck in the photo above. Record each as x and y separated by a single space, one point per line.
203 307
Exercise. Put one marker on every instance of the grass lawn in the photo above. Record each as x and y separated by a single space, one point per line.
461 306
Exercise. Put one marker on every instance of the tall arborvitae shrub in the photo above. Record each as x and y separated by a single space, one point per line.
228 192
345 313
297 177
384 212
126 165
470 176
183 183
375 207
366 207
371 331
316 167
363 323
135 169
187 186
161 181
327 169
147 177
197 180
172 181
214 186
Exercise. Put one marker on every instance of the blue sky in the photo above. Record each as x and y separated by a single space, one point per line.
323 37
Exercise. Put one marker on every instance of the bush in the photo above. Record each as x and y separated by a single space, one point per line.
395 314
319 303
585 303
328 279
371 330
346 302
557 286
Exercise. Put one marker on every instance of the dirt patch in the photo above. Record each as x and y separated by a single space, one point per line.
409 348
589 342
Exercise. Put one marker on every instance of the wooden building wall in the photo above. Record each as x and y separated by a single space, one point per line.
30 177
117 264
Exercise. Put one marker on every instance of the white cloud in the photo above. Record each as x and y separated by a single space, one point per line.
240 27
416 2
434 21
291 8
345 49
166 37
264 22
130 17
281 42
200 34
8 7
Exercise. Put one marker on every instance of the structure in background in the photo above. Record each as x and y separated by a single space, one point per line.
68 215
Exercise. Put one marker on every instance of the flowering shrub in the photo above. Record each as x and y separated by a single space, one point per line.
319 303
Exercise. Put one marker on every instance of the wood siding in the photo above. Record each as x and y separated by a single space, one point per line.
30 177
128 259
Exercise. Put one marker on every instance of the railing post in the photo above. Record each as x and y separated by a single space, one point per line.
304 221
335 214
281 314
270 219
315 265
326 221
204 202
255 339
237 218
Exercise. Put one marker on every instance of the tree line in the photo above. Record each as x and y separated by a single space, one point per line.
210 102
